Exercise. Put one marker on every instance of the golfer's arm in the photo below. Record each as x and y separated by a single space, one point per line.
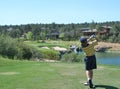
95 42
91 39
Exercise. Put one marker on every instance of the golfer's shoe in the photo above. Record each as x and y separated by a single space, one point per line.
86 83
90 84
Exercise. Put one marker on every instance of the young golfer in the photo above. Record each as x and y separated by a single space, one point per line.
90 58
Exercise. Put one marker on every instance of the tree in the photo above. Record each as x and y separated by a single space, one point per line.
61 36
15 33
42 36
36 33
29 35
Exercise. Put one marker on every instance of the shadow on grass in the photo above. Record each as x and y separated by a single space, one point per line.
105 87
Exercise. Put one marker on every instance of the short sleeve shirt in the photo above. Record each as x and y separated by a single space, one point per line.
89 50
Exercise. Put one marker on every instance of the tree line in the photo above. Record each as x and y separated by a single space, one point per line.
68 32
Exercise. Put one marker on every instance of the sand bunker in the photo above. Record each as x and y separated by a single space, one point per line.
45 47
59 49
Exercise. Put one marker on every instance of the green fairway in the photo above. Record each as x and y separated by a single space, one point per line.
43 75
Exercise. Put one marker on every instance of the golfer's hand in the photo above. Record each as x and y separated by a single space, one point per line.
92 36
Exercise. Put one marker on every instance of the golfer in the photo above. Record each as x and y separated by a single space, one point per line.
90 59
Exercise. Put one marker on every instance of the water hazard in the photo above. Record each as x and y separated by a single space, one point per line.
111 58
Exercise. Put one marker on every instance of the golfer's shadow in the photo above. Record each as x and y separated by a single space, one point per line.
105 87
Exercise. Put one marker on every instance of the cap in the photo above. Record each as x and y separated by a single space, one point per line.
83 39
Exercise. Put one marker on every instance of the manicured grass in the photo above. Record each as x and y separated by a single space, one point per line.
52 43
16 74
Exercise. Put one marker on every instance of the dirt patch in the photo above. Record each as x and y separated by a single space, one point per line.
9 73
68 73
48 60
100 68
112 46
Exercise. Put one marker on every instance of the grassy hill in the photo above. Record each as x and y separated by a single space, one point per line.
15 74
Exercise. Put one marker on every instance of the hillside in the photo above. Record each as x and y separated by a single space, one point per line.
111 46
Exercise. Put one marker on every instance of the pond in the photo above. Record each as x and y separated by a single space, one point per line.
111 58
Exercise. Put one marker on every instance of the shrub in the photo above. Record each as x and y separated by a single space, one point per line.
13 48
24 52
36 53
72 57
7 46
49 54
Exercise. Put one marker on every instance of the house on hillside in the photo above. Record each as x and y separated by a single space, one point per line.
53 35
103 30
10 29
90 32
85 29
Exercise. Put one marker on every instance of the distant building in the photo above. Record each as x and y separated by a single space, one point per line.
89 32
103 30
10 29
53 35
85 29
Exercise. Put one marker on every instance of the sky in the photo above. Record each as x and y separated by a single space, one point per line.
16 12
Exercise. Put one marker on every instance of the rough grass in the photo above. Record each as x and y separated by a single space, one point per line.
43 75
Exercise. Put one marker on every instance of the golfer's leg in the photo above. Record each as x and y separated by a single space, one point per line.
89 74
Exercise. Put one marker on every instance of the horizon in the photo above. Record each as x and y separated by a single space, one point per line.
58 11
55 23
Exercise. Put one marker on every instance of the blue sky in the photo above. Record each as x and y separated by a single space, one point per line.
15 12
